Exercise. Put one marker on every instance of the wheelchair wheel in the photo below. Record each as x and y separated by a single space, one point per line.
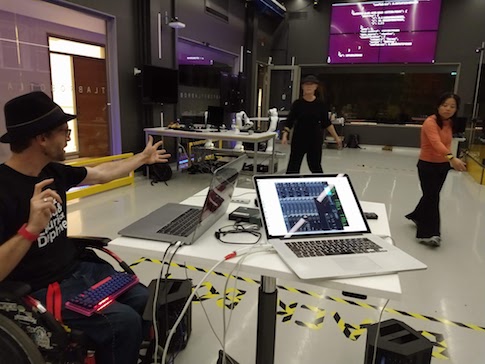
16 347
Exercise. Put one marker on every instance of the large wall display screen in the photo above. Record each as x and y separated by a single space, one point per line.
400 31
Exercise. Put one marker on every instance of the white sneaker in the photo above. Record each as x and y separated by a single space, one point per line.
434 241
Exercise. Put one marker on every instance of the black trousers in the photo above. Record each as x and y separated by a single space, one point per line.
426 215
313 151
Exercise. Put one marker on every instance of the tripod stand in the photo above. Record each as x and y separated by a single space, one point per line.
480 50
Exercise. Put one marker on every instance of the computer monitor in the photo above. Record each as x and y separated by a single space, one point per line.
215 116
192 120
159 85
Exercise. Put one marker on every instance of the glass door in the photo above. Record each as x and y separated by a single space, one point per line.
282 88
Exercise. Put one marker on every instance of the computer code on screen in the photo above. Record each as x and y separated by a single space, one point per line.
384 31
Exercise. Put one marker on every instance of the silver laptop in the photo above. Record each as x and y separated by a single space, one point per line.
316 224
176 222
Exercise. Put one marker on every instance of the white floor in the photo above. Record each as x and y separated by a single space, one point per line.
446 302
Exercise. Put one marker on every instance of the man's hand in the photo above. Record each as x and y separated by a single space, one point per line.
339 143
152 154
42 206
109 171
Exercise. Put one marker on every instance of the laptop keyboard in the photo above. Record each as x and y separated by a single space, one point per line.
319 248
183 225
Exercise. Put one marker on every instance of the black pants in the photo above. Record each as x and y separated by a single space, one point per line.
313 151
432 176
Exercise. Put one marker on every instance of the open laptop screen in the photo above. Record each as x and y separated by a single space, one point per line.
221 189
309 205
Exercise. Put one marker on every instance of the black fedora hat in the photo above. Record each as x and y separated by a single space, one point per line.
309 79
30 115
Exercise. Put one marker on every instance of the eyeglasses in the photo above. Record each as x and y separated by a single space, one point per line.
227 234
66 131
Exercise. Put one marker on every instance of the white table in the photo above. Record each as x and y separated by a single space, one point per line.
254 138
207 251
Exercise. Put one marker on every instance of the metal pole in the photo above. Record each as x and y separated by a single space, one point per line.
477 85
266 331
241 60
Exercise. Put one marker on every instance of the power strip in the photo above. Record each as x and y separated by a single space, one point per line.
241 200
246 214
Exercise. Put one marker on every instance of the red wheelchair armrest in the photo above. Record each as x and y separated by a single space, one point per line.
94 241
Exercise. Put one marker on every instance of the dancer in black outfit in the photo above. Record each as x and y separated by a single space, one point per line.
308 118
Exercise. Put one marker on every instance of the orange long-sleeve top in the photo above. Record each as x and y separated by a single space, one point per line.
435 142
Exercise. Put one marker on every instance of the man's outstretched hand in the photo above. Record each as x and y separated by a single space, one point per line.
154 155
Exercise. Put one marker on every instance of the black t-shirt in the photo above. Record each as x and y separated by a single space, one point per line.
51 257
308 120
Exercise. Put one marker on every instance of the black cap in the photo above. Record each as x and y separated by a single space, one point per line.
310 79
30 115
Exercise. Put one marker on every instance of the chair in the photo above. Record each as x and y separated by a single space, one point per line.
29 333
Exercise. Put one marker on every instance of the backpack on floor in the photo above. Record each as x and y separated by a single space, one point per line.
159 172
353 141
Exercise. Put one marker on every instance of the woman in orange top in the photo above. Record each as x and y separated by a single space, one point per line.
434 163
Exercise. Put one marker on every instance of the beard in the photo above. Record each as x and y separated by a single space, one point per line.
55 154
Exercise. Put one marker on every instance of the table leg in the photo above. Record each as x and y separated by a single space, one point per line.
147 169
177 153
272 156
265 339
255 160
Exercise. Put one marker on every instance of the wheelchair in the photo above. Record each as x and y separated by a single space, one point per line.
31 334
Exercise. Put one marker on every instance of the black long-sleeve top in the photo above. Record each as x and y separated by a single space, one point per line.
308 119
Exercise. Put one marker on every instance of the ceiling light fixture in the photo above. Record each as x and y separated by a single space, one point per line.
176 24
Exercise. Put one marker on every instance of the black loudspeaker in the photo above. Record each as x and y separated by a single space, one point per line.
459 125
468 110
172 296
262 168
228 360
398 344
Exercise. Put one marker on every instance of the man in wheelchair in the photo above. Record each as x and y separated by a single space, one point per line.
34 247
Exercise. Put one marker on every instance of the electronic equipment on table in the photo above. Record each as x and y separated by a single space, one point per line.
215 116
246 214
371 215
317 226
251 131
102 294
163 225
192 129
183 225
184 128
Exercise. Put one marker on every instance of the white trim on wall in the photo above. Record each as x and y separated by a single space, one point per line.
49 12
109 22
